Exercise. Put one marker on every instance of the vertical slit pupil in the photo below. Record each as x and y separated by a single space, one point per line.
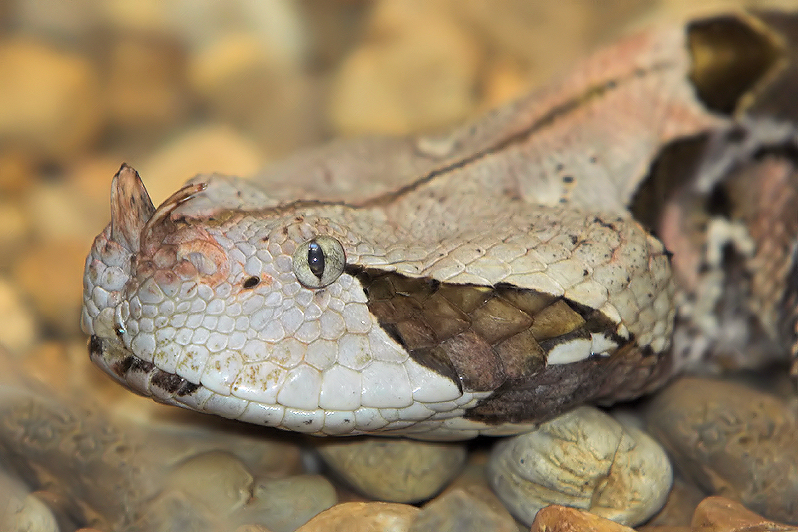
316 259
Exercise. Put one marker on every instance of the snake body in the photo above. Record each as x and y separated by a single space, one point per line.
442 287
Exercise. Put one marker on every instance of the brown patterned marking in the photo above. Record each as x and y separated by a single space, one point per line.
480 337
626 374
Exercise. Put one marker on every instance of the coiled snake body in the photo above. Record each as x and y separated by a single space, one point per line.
478 282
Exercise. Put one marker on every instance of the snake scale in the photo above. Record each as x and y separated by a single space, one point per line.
485 280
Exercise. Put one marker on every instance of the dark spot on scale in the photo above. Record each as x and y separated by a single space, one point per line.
568 179
584 273
264 239
95 345
141 365
187 388
574 239
602 223
308 421
169 382
593 159
298 219
559 167
251 282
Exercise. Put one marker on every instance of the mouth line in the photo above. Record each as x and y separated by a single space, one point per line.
126 368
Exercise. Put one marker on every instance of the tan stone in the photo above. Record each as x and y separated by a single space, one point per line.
557 518
211 148
363 517
16 224
731 440
51 274
259 90
394 469
417 70
50 98
17 323
719 514
146 88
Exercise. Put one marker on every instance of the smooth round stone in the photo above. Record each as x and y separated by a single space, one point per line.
217 480
394 470
283 505
23 511
363 517
583 459
731 440
464 510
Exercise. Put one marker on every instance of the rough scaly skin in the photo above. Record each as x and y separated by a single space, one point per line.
198 304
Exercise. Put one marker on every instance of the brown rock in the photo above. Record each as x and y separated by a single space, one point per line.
50 275
719 514
211 148
17 322
363 517
50 99
462 510
258 90
147 89
733 441
679 507
557 518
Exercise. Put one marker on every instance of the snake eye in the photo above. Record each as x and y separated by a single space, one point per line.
319 262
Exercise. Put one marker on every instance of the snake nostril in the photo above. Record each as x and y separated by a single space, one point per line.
251 282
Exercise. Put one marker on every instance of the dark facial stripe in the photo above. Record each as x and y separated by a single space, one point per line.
480 337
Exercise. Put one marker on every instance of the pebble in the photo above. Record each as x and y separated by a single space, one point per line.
49 99
17 322
464 510
285 504
363 517
146 89
218 481
680 505
719 514
394 470
252 86
584 459
206 149
417 72
23 511
46 276
556 518
731 440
